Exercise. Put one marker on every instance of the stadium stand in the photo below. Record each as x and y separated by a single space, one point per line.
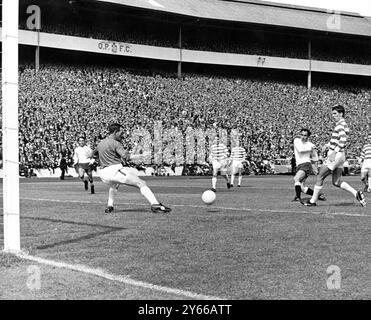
127 25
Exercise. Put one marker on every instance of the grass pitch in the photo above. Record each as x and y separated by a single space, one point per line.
252 243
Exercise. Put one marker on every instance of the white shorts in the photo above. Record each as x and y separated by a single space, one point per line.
220 165
366 166
338 163
236 165
115 174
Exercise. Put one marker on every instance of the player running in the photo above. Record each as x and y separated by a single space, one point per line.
366 164
83 161
219 159
238 156
335 160
111 153
305 152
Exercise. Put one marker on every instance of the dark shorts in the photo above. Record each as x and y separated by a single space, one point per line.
306 167
85 166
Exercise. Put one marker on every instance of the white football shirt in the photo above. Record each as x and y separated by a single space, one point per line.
304 151
82 154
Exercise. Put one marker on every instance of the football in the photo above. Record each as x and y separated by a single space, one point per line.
208 197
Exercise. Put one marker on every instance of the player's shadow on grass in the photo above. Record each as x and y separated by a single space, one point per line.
74 240
109 229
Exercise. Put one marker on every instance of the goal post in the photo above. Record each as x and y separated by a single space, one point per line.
10 9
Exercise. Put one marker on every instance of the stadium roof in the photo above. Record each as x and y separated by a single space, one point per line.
259 12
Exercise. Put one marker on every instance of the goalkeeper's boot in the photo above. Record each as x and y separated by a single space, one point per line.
160 208
109 209
86 185
213 189
361 198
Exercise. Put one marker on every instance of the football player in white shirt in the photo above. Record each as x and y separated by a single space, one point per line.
305 153
83 160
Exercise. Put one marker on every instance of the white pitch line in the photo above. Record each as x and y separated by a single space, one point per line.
78 182
117 278
212 207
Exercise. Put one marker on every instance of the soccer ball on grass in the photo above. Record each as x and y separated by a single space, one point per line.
208 197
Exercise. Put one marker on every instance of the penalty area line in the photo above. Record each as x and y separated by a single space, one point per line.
117 278
211 207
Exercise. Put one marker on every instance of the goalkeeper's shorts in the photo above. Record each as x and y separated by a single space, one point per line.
114 174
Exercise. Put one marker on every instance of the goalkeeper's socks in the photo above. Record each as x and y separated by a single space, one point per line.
111 196
148 194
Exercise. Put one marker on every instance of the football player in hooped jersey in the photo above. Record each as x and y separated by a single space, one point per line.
366 164
334 163
83 160
219 160
305 153
238 157
111 153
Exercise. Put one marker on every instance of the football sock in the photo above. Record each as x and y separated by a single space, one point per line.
369 182
213 180
239 180
232 178
345 186
111 196
297 190
148 194
316 192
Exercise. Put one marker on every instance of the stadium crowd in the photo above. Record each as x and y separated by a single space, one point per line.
60 103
